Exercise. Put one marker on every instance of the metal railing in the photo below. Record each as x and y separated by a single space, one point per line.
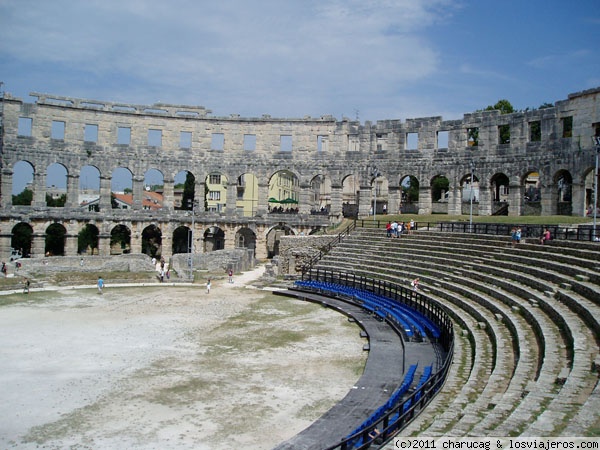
327 247
558 232
400 414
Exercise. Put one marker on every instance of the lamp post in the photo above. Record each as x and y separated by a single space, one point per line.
192 203
471 198
375 174
596 174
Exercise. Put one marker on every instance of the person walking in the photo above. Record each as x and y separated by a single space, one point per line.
208 286
26 286
230 274
100 285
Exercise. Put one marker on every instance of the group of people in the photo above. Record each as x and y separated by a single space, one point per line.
395 229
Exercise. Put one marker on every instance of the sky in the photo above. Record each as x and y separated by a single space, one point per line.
360 59
366 60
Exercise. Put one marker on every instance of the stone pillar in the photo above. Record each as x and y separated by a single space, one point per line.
71 244
305 201
578 200
364 201
105 192
549 200
393 199
485 201
336 200
38 244
138 192
39 189
72 191
7 181
5 240
263 198
230 202
424 199
136 241
454 200
516 193
104 244
166 243
168 194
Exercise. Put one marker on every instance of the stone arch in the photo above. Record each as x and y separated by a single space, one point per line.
122 188
440 194
499 193
215 198
182 240
588 183
563 181
88 239
89 188
273 237
350 195
469 188
152 241
409 194
321 188
56 185
379 193
284 190
246 202
22 238
214 239
56 235
23 187
120 240
245 238
184 190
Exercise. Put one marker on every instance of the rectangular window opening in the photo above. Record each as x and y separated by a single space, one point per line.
185 139
123 135
58 130
535 131
567 123
25 126
90 133
249 142
322 144
217 141
442 139
504 134
286 143
412 141
472 137
154 138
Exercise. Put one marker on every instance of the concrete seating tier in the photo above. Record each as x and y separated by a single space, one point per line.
531 319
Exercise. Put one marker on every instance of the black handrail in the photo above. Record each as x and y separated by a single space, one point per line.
327 248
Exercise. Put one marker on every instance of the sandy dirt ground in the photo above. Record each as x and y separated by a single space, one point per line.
169 367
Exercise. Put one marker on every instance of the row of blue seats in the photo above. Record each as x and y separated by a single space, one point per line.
382 410
423 321
380 310
410 320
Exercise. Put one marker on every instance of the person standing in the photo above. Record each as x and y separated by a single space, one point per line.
100 285
230 274
208 286
415 284
26 286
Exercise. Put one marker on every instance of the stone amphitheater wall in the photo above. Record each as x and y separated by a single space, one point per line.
563 156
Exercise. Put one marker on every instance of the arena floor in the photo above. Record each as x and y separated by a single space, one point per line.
169 367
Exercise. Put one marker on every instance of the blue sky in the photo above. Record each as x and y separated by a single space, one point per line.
380 59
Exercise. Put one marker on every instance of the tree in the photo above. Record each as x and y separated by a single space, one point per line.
187 198
56 202
87 238
503 106
24 198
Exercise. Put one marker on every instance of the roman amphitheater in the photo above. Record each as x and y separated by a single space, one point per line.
499 340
